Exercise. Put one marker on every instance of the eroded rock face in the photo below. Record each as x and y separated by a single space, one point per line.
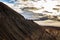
54 32
13 26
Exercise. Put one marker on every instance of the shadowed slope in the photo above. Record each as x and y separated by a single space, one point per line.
13 26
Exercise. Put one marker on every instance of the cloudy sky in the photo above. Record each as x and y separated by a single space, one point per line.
8 2
48 6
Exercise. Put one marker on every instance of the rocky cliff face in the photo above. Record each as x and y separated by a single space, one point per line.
13 26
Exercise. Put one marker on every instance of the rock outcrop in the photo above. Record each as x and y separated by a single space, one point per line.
13 26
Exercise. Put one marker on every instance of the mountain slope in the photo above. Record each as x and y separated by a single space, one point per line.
13 26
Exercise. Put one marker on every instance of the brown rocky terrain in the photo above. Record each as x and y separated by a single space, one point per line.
13 26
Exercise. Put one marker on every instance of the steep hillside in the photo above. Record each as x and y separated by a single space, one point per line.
13 26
